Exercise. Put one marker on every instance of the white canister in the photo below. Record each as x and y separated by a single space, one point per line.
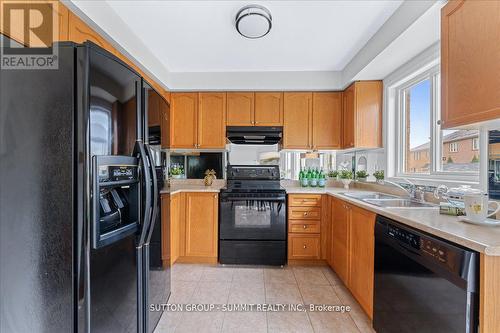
476 206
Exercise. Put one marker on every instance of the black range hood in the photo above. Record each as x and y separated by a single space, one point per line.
254 135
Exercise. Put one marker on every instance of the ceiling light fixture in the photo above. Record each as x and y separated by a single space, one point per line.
253 21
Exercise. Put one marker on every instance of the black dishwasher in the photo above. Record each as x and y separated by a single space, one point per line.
423 283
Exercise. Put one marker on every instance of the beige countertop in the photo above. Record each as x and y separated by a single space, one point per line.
479 238
190 188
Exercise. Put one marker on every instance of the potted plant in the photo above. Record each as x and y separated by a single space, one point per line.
379 175
209 177
176 172
346 178
334 174
361 175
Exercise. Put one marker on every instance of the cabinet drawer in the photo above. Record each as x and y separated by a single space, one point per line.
304 227
304 200
303 246
304 213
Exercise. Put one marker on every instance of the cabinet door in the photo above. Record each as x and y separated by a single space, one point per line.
297 120
470 62
362 249
79 32
302 246
340 240
368 114
175 221
268 109
201 224
212 120
240 109
348 117
327 120
184 120
153 109
165 123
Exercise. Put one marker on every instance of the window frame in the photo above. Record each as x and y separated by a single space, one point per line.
436 174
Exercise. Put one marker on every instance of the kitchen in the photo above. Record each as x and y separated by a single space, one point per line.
324 179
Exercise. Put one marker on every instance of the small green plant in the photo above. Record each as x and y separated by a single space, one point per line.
361 174
345 174
475 159
379 174
176 171
333 174
450 160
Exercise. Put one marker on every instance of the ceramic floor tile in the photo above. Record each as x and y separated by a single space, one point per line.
317 294
279 275
332 322
244 322
247 293
288 322
200 322
248 274
331 276
182 291
359 316
217 273
187 272
211 293
310 275
287 293
168 322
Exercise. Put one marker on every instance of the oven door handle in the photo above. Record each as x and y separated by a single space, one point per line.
278 199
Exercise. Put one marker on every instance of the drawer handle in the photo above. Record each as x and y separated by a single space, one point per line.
305 226
305 214
305 246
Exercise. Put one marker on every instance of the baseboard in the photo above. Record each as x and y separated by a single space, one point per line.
307 262
197 260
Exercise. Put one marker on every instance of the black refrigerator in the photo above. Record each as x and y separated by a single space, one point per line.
78 197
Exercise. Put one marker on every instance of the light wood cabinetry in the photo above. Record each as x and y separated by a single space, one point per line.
166 229
297 120
211 120
240 109
362 253
201 224
165 123
198 120
154 110
352 245
470 62
327 120
184 120
304 227
268 109
80 32
362 115
176 208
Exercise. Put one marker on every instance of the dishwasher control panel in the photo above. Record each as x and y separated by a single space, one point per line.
404 236
434 250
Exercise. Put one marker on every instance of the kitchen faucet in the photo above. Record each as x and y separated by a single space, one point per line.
415 192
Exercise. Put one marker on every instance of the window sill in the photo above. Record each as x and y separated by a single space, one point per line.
439 179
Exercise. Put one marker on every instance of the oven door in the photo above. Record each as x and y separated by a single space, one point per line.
252 218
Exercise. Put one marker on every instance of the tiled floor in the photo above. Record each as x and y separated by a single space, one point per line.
204 284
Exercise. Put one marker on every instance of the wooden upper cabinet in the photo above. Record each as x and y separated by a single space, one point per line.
165 123
470 62
153 109
362 115
268 109
211 120
201 224
327 120
184 120
240 109
362 252
79 32
297 120
340 239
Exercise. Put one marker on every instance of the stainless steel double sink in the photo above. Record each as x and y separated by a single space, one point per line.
387 200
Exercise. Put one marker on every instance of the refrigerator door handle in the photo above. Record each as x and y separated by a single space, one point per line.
154 192
146 173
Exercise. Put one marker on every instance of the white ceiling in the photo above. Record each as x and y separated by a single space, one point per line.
199 36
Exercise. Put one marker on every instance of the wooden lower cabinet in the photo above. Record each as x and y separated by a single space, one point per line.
194 227
352 250
166 240
302 246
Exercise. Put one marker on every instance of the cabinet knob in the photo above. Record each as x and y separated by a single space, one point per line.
305 214
305 226
305 246
255 122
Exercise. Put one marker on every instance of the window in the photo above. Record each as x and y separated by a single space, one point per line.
453 147
422 148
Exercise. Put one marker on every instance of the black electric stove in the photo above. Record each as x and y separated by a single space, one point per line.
252 223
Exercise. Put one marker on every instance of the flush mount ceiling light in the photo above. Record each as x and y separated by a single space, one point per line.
253 21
